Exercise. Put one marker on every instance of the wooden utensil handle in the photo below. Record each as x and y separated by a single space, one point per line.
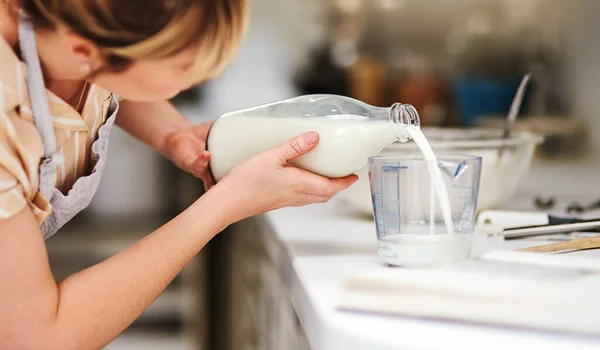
576 244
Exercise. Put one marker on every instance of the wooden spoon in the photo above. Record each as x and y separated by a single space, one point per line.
575 244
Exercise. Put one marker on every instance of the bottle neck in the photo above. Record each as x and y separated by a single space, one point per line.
404 114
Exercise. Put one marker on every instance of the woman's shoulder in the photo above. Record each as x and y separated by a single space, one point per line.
20 145
13 94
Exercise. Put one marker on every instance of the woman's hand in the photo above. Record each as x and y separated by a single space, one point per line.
268 181
187 149
164 128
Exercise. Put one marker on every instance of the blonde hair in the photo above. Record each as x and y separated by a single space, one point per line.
132 30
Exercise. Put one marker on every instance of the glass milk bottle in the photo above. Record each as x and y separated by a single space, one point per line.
349 131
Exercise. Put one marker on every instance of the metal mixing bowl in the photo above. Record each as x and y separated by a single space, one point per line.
500 178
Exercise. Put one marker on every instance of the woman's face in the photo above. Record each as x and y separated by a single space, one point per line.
63 55
151 80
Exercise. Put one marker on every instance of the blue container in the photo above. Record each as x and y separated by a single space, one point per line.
481 97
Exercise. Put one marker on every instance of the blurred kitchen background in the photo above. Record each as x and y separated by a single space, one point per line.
458 62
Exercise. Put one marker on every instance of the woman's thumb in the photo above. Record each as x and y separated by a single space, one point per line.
299 145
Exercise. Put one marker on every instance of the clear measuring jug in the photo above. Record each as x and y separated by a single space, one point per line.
408 215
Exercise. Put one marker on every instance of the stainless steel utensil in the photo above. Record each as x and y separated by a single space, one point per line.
551 229
514 111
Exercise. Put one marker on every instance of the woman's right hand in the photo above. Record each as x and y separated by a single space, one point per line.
269 181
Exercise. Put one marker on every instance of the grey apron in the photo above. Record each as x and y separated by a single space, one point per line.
64 208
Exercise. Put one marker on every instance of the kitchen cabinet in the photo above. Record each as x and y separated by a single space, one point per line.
260 314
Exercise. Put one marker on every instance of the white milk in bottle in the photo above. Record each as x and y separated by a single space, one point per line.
345 141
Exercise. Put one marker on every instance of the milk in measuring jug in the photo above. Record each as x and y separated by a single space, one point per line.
345 141
422 249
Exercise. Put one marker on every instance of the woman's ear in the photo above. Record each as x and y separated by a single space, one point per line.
82 52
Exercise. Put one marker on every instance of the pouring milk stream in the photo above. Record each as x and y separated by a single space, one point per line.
349 131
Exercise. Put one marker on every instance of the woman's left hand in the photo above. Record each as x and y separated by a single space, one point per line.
187 149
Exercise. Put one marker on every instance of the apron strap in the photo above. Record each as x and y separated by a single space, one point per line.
40 107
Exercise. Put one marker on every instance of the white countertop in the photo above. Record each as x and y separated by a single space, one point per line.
328 242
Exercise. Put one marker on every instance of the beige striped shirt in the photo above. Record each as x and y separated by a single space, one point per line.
21 148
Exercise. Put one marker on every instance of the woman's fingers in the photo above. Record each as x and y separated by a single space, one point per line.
323 187
200 163
326 191
298 146
344 182
307 199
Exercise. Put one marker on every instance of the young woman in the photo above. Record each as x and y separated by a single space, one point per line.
62 62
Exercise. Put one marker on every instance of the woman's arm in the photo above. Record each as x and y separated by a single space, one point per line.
152 122
160 125
90 308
